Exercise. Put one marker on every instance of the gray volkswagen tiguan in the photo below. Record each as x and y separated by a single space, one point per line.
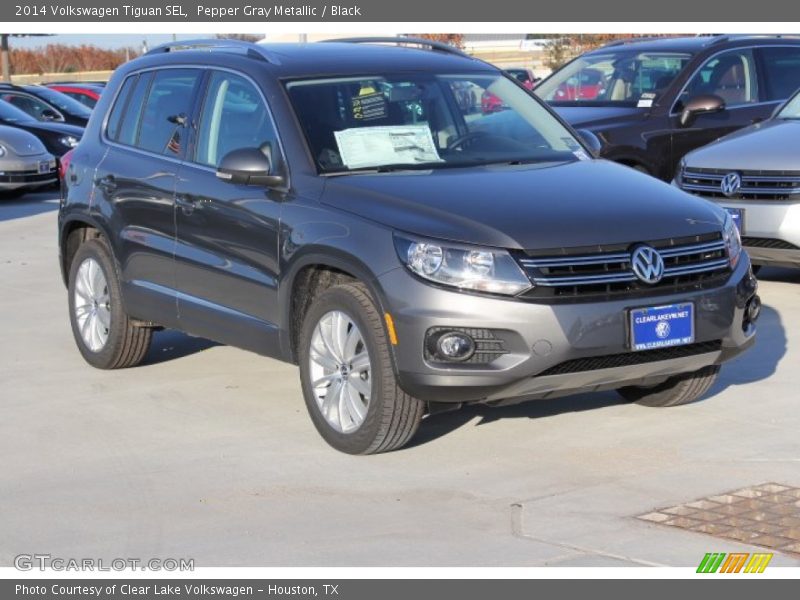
336 205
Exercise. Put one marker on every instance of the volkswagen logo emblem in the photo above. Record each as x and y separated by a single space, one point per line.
647 264
730 184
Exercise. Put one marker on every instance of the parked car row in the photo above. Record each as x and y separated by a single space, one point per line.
48 117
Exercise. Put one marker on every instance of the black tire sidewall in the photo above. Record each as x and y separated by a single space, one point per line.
97 250
342 299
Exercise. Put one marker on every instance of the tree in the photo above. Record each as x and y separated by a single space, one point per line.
453 39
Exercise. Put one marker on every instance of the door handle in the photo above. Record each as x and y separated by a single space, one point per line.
190 205
108 184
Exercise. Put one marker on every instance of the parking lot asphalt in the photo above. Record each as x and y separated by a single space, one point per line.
206 452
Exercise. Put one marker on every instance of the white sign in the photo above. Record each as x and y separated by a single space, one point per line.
386 145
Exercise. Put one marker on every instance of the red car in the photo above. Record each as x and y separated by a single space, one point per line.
585 85
87 94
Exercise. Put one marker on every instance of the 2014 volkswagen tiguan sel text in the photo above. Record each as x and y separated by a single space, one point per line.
334 205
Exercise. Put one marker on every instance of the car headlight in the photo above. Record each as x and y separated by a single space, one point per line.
733 241
70 141
478 269
2 150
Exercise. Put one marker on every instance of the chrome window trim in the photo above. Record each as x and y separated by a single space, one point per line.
672 110
186 161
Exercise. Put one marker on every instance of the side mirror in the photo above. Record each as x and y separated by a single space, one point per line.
705 103
591 140
249 166
49 115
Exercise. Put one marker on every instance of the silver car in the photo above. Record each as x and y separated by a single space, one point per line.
755 174
25 164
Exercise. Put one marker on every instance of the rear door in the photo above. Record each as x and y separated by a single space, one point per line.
226 255
733 76
146 135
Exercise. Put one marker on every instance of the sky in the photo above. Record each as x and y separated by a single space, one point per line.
103 41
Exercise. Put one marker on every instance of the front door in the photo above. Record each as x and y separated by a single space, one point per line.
226 252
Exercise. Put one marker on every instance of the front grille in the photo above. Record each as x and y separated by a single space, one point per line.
628 359
756 185
690 263
756 242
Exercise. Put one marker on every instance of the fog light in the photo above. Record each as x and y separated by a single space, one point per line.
455 346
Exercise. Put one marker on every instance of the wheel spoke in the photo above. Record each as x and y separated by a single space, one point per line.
360 362
339 334
331 401
325 380
351 343
355 406
361 386
326 361
104 316
329 348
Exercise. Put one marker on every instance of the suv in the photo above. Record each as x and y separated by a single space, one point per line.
755 175
332 205
653 101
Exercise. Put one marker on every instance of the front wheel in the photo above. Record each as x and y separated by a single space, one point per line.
346 373
678 389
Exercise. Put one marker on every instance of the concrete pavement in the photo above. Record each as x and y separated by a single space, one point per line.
206 452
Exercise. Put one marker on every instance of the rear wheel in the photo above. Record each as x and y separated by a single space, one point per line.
106 337
349 385
678 389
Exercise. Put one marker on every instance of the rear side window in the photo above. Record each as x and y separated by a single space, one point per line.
115 118
166 111
781 71
131 119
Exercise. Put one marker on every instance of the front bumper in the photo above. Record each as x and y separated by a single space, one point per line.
541 338
770 230
33 171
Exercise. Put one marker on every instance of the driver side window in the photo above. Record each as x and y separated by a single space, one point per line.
730 75
233 117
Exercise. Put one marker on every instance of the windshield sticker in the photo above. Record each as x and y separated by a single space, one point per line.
370 106
646 100
388 145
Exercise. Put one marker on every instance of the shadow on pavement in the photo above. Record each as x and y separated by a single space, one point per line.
27 205
170 344
439 425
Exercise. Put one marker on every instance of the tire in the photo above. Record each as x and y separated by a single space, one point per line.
388 418
756 269
678 389
125 344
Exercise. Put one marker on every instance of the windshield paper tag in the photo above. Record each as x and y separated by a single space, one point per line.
646 100
369 107
389 145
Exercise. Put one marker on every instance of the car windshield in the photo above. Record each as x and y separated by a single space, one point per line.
621 78
11 114
791 110
425 121
62 101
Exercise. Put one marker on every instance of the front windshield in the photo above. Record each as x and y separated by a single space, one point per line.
11 114
621 78
425 121
791 109
63 102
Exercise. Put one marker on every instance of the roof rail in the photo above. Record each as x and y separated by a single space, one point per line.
400 40
250 49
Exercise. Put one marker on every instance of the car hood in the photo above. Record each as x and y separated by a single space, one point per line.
20 142
770 146
583 203
50 127
591 116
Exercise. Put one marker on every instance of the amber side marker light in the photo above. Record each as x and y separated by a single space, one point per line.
390 328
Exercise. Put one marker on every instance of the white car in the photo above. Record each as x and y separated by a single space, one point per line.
25 164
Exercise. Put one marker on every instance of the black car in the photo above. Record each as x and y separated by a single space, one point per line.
334 205
652 101
58 138
45 104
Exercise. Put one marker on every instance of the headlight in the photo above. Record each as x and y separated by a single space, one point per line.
480 269
2 150
70 141
733 241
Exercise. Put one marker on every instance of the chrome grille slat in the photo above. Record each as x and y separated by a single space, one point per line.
587 273
754 185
